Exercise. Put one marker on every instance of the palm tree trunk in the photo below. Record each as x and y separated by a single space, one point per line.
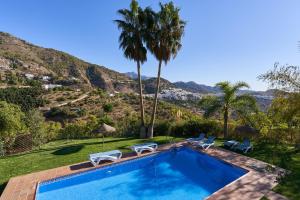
226 123
150 128
142 128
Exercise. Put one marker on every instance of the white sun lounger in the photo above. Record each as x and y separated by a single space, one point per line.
108 155
139 148
195 140
210 141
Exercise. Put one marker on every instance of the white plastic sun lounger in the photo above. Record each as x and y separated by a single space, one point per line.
195 140
207 143
96 158
139 148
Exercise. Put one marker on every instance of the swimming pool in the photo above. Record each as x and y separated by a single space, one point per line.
175 174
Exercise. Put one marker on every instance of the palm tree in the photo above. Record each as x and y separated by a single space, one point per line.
163 38
228 102
131 42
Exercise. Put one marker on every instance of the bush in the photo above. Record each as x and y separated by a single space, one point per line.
194 127
61 99
63 112
11 122
162 128
35 122
107 120
52 131
2 149
74 131
26 98
107 107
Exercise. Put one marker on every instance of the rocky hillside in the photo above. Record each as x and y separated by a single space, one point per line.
150 85
192 86
20 57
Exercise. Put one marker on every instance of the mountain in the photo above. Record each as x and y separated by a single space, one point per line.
150 85
192 86
19 57
134 75
204 89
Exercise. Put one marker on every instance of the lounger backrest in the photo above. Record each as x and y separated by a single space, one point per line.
210 139
246 142
201 136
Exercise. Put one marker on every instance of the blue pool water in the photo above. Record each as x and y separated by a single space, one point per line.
182 174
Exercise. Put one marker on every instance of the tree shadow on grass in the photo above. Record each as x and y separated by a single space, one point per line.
2 187
67 146
68 150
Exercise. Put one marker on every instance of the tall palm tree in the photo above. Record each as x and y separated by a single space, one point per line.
131 42
163 39
228 102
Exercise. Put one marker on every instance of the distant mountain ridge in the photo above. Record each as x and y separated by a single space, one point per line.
134 75
190 86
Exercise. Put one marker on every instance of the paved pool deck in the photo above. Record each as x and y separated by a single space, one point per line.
257 183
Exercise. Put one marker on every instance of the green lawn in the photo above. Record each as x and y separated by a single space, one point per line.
60 153
287 158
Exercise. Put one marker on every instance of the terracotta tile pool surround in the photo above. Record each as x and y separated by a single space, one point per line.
253 185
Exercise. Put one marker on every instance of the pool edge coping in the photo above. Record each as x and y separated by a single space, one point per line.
128 157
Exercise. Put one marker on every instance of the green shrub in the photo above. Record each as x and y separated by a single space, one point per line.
2 148
52 131
107 107
162 128
63 112
61 99
26 98
35 122
107 120
194 127
11 122
74 131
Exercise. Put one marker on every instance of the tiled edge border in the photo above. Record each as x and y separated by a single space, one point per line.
130 157
191 148
49 181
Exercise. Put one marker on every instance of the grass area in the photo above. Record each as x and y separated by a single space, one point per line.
288 158
285 157
62 152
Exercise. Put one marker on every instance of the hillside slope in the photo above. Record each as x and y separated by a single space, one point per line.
20 57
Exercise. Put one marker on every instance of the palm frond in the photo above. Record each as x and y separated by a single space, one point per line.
164 38
131 37
245 103
240 85
210 105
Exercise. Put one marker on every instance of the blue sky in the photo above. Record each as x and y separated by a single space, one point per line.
224 39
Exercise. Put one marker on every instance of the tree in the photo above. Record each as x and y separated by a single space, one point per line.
285 108
35 122
11 122
228 102
131 42
286 77
163 39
